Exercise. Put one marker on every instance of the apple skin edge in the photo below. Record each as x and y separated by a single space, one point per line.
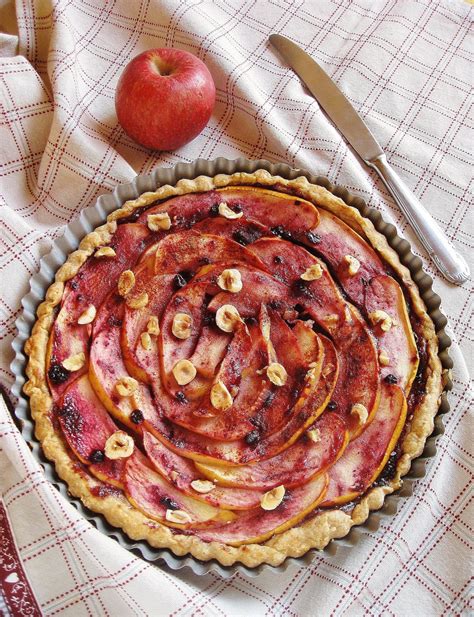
164 98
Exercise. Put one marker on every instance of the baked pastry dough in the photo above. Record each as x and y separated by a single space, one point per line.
236 367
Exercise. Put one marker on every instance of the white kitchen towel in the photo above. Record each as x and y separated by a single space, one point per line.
407 67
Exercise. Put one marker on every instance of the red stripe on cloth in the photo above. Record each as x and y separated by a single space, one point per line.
14 585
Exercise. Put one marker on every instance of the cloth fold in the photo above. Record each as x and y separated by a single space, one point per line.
407 67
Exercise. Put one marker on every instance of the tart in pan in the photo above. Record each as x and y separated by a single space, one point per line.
236 367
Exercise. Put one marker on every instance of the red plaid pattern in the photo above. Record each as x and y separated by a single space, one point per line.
407 66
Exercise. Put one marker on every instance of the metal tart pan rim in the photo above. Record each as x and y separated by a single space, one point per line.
95 215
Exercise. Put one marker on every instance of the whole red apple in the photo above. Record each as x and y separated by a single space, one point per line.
164 98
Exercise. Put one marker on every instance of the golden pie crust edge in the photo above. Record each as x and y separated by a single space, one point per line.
316 532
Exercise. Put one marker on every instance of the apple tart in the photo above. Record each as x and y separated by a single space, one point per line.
236 367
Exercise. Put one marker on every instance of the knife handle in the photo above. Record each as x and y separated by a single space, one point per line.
448 261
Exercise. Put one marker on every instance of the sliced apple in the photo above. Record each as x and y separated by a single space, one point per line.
313 453
246 355
359 378
258 525
243 230
288 262
365 457
309 406
86 425
89 287
210 350
284 349
150 493
309 343
182 473
188 301
257 288
106 369
188 251
200 448
288 213
336 242
398 343
142 362
271 208
357 352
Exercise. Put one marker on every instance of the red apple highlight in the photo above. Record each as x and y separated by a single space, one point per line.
164 98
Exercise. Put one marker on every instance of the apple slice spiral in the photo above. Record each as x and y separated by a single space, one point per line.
244 352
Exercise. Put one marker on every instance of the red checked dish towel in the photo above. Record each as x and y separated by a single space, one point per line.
406 67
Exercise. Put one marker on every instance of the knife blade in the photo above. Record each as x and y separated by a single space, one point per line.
331 99
450 263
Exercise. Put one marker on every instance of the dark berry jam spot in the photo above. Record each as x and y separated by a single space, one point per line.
96 456
169 503
313 237
275 304
301 288
179 281
181 397
332 405
278 259
391 379
57 373
137 416
252 438
279 230
187 275
208 319
251 321
214 210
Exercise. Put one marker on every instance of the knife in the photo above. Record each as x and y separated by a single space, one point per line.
448 261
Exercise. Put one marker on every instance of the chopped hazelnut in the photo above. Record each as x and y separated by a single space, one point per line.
137 302
87 316
226 212
184 372
75 362
153 326
360 411
312 273
277 374
126 386
353 264
314 434
105 251
119 445
181 326
230 280
384 359
227 316
382 319
159 222
126 282
145 340
203 486
272 499
177 516
221 398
